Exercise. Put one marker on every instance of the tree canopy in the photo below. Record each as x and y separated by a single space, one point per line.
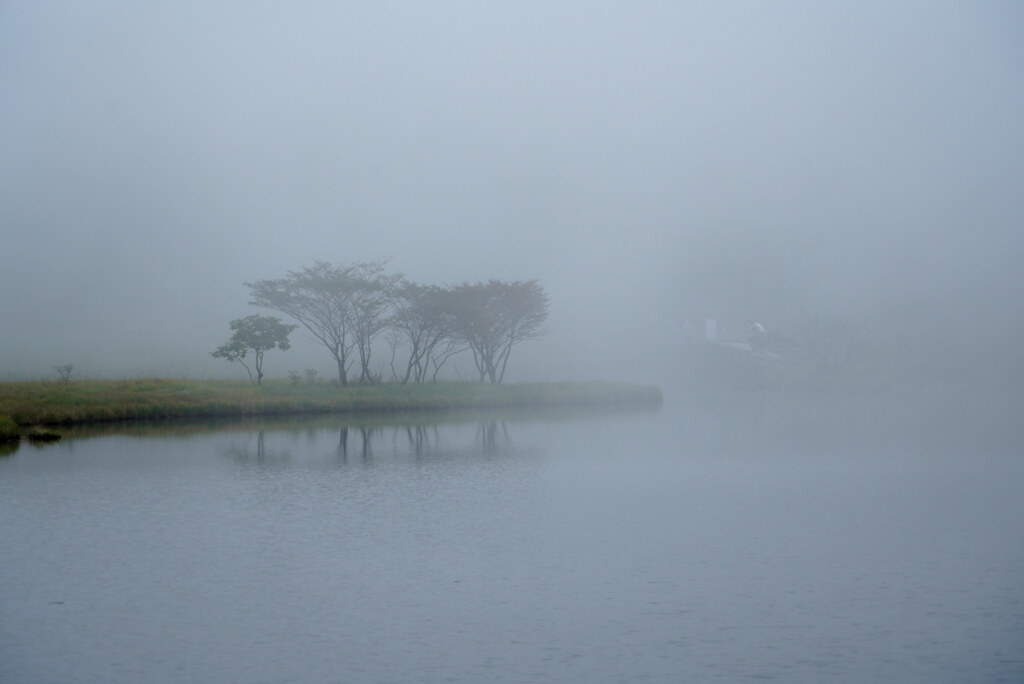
346 308
256 334
321 298
421 319
493 317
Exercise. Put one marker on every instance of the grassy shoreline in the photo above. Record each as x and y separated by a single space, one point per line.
27 404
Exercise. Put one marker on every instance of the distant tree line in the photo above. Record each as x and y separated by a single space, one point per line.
347 309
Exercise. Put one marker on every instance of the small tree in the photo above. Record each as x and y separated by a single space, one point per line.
255 334
64 371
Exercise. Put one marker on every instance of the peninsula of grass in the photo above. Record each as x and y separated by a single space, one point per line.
24 404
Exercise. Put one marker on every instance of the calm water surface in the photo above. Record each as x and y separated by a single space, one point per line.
724 538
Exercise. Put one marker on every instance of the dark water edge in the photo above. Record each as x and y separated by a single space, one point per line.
185 427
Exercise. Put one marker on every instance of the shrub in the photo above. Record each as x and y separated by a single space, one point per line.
64 371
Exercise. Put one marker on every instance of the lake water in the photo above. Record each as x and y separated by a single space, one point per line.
727 537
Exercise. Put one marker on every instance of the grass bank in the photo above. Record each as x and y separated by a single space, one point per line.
89 401
9 430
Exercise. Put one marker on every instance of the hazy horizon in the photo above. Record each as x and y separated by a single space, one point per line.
647 163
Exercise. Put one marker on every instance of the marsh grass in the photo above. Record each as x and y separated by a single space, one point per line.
88 401
9 430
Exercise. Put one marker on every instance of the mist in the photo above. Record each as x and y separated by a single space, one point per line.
648 163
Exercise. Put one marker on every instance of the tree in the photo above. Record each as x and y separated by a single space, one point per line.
492 317
64 371
344 308
318 298
422 318
368 307
256 334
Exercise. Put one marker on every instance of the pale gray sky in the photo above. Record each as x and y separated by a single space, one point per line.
646 161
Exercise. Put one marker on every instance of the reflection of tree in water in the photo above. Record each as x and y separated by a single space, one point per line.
246 453
367 435
366 444
343 445
422 438
488 433
8 448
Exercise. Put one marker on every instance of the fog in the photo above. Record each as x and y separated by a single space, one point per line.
649 163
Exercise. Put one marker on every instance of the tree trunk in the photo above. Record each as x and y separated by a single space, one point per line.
247 370
504 362
342 376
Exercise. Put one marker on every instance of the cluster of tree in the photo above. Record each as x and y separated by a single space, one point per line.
347 308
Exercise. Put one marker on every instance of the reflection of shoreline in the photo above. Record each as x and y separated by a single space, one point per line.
360 444
179 427
260 454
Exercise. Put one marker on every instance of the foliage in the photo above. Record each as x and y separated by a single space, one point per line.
257 334
423 320
346 308
342 307
369 304
492 317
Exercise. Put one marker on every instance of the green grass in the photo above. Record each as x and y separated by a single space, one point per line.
9 430
90 401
